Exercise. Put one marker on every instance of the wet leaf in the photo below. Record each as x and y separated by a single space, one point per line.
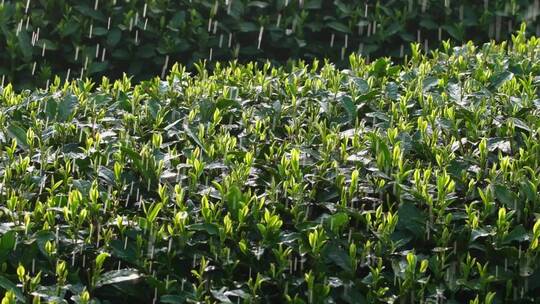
118 276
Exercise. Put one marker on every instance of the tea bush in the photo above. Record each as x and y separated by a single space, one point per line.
253 183
40 39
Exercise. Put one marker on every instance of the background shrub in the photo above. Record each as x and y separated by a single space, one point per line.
111 37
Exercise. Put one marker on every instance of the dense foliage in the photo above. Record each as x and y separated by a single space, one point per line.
40 39
377 183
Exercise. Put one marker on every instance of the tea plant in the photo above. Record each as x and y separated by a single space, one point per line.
260 184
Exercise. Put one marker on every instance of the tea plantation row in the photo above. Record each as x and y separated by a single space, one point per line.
413 183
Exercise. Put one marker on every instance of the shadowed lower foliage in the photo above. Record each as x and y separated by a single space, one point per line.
43 38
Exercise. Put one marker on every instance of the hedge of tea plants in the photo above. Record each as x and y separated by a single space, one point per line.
43 38
413 183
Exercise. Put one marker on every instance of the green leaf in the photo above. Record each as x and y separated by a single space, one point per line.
220 295
518 234
100 259
99 31
478 233
234 198
70 27
455 32
86 10
98 67
338 26
177 21
19 134
349 106
8 285
172 299
247 27
392 90
106 175
66 107
211 229
454 92
233 93
499 143
224 103
505 196
379 67
49 45
127 254
429 83
520 124
146 51
361 85
338 220
528 188
24 45
114 37
194 137
154 211
339 257
258 4
41 238
354 296
411 219
499 79
118 276
378 115
7 241
428 23
313 4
